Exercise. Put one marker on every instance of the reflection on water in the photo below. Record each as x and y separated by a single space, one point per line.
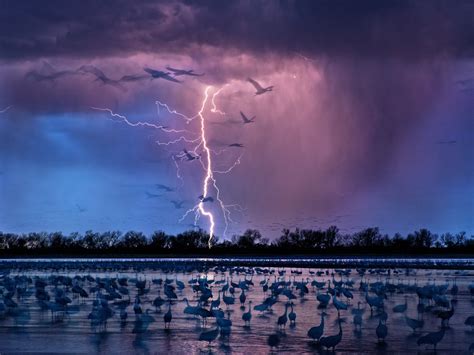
178 306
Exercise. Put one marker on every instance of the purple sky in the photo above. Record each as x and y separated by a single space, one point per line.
370 122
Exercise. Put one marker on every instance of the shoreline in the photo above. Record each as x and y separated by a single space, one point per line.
367 262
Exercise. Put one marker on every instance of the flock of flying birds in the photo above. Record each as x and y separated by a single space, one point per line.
49 73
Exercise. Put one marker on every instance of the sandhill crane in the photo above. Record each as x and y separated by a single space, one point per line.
246 119
123 315
247 316
283 319
158 74
432 338
158 302
168 316
242 299
209 335
381 331
260 89
338 304
414 324
445 316
470 321
292 315
401 308
454 289
316 332
273 340
216 303
375 301
191 310
323 299
228 300
333 340
179 72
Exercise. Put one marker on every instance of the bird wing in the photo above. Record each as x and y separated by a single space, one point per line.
174 69
170 78
191 73
255 84
134 77
90 69
149 71
243 116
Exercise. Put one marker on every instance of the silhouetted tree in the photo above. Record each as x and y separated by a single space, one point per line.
90 240
423 239
330 237
109 240
249 239
367 238
133 240
294 241
159 240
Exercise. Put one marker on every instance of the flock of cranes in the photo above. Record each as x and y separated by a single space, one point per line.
341 303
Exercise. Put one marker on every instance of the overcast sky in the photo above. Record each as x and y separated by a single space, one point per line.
370 121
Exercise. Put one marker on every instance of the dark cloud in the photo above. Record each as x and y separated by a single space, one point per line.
361 89
412 29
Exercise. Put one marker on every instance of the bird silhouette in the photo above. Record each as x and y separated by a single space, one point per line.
177 204
292 315
164 188
470 321
273 340
158 74
333 340
401 308
247 316
260 89
283 319
179 72
246 119
381 331
414 324
432 338
168 316
316 332
209 335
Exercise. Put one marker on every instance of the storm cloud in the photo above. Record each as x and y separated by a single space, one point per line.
363 91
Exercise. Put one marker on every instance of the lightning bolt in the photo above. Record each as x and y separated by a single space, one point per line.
209 173
200 142
214 108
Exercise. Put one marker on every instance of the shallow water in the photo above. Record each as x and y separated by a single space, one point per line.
28 328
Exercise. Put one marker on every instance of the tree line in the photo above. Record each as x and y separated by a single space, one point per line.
298 241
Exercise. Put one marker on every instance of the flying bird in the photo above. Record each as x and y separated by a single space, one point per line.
132 78
179 72
177 204
80 209
100 76
260 89
189 156
237 145
164 187
246 119
158 74
205 199
48 72
447 142
33 74
150 195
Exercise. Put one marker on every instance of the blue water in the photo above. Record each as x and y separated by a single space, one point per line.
30 327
